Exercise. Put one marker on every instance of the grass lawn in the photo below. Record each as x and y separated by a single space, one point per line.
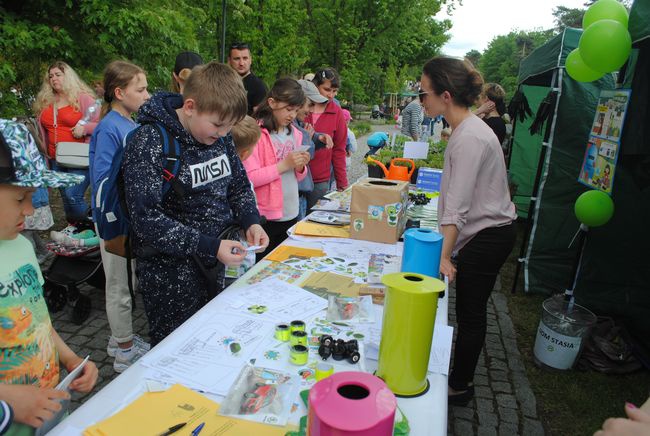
570 402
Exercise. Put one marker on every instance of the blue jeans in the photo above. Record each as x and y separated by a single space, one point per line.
74 204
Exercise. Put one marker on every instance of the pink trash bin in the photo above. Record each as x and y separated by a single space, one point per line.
351 404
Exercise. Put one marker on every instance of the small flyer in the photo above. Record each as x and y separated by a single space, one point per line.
601 154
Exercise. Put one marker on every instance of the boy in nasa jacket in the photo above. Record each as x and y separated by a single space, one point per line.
176 235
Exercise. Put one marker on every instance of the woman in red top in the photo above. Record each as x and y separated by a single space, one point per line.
327 118
64 106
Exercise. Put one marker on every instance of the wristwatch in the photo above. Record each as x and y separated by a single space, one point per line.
82 122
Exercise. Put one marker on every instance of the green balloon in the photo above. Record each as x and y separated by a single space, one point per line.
605 46
594 208
577 69
605 10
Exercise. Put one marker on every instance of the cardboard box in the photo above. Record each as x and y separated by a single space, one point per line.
429 179
378 210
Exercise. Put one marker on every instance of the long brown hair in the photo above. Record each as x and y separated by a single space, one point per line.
117 74
286 90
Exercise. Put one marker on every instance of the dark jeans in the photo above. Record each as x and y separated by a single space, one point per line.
277 231
74 203
477 266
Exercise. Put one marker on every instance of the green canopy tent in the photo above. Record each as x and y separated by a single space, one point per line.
615 276
545 166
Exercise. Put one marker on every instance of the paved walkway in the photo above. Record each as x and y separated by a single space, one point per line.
504 403
92 336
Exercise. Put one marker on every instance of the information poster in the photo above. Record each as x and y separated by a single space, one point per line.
601 155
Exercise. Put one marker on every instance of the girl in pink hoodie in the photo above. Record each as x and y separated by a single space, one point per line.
278 163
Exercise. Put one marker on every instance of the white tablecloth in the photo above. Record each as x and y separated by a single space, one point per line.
427 414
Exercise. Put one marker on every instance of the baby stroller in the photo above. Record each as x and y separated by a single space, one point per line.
377 113
72 266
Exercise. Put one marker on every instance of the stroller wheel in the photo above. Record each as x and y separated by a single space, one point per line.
56 296
81 310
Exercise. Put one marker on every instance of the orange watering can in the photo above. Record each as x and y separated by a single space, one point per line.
396 172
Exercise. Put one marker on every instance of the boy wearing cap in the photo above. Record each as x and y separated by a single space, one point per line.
185 61
31 349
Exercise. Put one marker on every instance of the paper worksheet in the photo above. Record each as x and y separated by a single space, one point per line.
210 355
63 384
153 413
358 256
273 300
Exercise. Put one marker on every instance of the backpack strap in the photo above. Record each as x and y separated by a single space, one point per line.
172 163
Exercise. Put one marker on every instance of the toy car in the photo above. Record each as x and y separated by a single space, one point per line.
339 349
262 396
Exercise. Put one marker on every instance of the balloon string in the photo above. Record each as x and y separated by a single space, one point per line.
574 238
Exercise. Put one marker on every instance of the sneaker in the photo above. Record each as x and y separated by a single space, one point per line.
126 358
138 342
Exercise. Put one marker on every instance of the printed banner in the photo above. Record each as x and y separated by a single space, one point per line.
601 155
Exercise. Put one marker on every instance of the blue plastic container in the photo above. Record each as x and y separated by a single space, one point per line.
422 251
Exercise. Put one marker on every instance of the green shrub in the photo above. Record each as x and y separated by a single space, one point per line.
360 128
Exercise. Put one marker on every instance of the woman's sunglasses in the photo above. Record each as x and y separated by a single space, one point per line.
421 95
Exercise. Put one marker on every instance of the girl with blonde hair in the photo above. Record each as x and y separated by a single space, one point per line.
125 90
66 111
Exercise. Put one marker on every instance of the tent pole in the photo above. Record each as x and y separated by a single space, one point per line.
533 198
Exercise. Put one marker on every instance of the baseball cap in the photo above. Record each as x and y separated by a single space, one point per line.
187 59
21 163
346 115
311 92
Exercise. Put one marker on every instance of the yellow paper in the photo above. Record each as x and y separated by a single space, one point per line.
327 283
155 412
313 229
284 252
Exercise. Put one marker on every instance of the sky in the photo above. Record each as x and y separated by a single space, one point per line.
476 22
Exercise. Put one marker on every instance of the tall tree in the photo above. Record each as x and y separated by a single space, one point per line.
474 56
88 34
500 61
374 44
567 17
